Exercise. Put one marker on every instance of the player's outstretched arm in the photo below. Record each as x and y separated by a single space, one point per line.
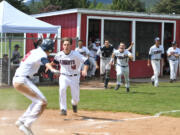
131 57
112 59
86 67
49 66
130 47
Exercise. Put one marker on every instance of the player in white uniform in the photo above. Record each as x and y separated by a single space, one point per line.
85 52
156 54
22 82
70 62
173 57
122 65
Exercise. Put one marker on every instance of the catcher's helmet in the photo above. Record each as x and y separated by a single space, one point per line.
48 45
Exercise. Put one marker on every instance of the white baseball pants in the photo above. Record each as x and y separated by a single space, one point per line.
156 68
173 69
104 65
92 68
122 71
64 82
35 109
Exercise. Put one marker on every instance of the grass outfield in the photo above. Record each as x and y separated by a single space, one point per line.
143 99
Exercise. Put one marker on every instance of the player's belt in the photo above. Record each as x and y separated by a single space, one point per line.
105 58
69 75
174 60
23 76
156 59
124 66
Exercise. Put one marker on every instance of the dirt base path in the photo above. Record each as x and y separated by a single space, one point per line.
92 123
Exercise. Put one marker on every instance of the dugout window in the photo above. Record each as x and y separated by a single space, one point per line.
117 31
94 29
145 35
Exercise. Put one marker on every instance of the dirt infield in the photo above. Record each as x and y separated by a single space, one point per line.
92 123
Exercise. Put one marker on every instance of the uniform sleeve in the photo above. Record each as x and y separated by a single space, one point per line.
56 59
44 61
168 51
150 51
87 51
162 50
81 57
129 53
99 52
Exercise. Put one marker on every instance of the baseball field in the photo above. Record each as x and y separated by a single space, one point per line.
145 110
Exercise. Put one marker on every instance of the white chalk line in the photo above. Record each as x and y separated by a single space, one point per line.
92 133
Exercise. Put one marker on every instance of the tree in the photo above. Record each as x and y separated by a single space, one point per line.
128 5
19 4
167 6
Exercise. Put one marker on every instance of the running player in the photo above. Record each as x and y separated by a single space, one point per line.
173 57
122 65
105 53
156 54
22 82
70 62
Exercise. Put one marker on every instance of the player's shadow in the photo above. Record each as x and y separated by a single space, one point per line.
100 119
138 92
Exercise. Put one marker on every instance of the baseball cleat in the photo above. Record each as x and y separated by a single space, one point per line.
25 130
127 89
153 83
171 81
117 87
63 112
19 123
74 108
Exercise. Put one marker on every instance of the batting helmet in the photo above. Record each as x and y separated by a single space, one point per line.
48 45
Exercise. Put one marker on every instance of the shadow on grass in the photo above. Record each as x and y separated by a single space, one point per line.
136 92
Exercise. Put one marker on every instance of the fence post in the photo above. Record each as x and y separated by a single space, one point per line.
9 62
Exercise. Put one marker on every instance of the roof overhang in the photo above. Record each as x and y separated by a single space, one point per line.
107 12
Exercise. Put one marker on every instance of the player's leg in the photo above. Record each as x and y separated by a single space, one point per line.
118 75
63 84
102 69
74 85
157 72
107 73
93 66
126 77
27 88
175 69
171 65
154 68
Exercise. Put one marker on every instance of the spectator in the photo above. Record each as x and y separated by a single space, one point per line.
16 55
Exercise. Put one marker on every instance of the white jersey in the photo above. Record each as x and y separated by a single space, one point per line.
93 50
122 58
31 62
174 51
83 51
71 63
156 52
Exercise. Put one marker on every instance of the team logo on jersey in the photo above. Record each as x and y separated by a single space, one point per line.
157 52
73 67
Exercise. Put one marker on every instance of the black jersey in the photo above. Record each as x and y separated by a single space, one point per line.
107 52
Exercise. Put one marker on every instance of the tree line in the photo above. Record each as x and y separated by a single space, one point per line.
163 6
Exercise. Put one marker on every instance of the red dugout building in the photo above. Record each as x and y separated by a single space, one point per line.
116 26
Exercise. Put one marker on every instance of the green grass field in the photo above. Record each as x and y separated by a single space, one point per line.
143 99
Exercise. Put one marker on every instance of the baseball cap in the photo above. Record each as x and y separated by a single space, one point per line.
16 46
157 39
173 43
97 41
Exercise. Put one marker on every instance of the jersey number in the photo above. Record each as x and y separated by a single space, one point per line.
73 67
26 56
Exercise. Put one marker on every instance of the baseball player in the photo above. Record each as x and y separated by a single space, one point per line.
122 66
105 53
70 62
22 82
173 57
156 54
85 52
